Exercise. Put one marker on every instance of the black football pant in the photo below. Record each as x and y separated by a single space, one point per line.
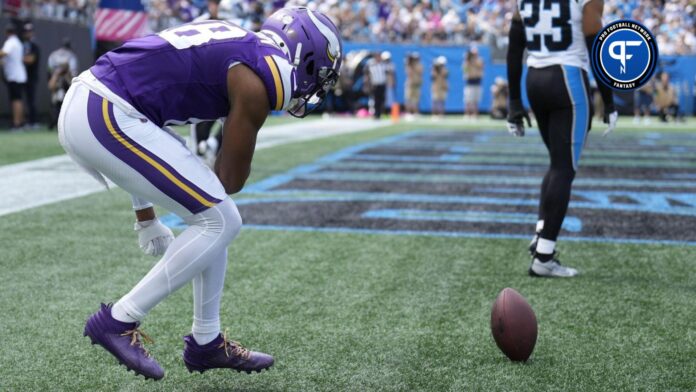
559 96
378 95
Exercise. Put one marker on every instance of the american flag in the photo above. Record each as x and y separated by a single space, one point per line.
120 20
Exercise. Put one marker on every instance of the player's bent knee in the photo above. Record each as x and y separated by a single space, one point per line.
232 218
222 220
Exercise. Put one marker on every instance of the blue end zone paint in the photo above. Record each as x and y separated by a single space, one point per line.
469 179
570 223
453 234
681 176
424 166
471 146
655 202
277 180
398 158
331 167
350 151
596 200
460 149
177 223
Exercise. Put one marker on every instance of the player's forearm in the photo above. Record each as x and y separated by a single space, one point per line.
591 26
233 176
232 167
604 90
515 54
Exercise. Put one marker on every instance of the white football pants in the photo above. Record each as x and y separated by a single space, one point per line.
153 165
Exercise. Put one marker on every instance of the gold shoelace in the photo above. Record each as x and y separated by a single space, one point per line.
137 337
234 348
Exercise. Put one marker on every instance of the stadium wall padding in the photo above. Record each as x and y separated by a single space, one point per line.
682 70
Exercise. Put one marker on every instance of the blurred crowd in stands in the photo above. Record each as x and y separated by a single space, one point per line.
448 22
442 22
73 11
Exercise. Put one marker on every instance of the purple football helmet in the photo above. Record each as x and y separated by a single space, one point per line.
313 45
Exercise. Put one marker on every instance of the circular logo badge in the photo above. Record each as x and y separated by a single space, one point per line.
624 55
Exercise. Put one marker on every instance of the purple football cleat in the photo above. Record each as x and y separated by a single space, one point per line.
122 340
223 353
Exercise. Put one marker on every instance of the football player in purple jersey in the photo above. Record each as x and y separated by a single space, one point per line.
114 122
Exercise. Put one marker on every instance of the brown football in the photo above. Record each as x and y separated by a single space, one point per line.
514 325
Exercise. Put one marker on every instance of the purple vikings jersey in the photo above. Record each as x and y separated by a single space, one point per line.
180 75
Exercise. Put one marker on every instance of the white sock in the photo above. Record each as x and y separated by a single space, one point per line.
193 251
119 312
207 293
205 331
545 247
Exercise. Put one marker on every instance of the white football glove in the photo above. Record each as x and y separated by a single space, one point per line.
516 116
610 119
516 129
153 237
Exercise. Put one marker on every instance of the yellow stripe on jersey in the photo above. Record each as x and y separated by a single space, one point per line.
152 162
278 82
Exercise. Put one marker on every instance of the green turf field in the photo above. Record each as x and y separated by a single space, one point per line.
342 311
41 142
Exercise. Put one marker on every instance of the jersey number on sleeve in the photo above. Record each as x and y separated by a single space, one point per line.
195 34
562 22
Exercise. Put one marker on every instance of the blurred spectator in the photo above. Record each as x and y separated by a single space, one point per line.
12 8
162 15
211 12
642 99
73 11
62 67
391 79
15 74
376 77
473 74
63 55
31 59
440 85
414 81
500 94
412 21
58 85
666 99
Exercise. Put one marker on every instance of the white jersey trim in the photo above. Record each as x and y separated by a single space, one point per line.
88 79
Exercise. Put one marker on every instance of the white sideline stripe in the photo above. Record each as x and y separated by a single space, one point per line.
49 180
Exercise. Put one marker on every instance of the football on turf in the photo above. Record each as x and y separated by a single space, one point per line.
514 325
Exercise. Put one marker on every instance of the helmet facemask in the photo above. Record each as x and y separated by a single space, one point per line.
305 104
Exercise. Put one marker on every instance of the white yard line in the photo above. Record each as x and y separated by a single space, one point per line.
49 180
